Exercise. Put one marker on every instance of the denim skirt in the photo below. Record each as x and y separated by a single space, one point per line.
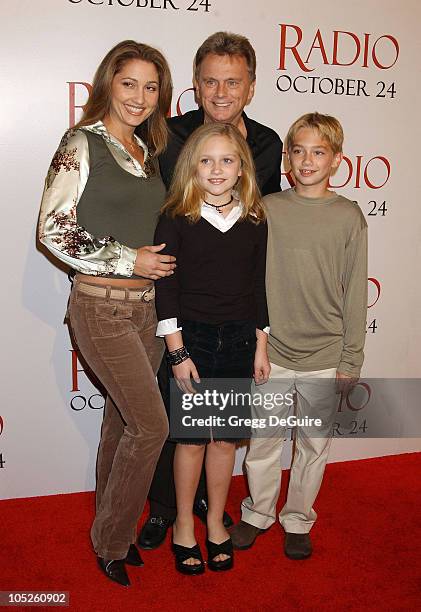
220 351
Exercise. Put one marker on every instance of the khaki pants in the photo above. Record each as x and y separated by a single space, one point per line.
316 397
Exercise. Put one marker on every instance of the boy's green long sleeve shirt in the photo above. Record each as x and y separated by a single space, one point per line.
316 282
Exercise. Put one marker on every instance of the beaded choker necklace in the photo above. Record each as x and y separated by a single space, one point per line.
219 206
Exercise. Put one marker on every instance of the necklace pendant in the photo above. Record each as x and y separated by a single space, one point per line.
218 207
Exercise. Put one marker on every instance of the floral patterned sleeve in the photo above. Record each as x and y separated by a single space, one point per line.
58 227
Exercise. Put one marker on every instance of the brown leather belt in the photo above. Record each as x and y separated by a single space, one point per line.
147 295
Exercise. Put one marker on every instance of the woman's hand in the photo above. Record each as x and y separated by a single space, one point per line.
151 264
261 359
183 373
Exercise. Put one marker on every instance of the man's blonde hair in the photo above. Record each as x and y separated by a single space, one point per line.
328 127
185 195
226 43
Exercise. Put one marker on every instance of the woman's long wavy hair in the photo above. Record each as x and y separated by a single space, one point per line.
185 195
154 130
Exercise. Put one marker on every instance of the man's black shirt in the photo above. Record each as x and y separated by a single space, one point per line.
265 145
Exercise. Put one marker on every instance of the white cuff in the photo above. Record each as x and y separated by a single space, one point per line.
266 330
166 327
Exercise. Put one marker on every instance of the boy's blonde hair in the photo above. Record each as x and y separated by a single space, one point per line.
328 127
185 195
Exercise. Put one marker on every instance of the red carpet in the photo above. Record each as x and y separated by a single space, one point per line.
367 545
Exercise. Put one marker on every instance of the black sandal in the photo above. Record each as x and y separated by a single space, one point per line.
225 548
182 553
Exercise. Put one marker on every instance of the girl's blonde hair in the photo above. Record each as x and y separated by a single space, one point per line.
185 195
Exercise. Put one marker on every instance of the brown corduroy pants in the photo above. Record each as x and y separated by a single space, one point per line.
117 340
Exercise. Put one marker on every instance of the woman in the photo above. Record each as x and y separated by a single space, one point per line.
213 313
99 209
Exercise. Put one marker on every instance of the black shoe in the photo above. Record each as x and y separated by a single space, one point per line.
182 553
153 532
225 548
200 509
297 545
114 570
133 557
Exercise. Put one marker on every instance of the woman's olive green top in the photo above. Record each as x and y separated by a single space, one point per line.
99 204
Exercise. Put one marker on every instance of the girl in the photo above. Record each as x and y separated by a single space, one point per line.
212 311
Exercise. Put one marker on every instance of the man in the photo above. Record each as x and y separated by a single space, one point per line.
224 82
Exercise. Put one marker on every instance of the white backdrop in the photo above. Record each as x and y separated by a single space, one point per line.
50 414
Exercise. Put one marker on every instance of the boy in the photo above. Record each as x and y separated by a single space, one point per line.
316 282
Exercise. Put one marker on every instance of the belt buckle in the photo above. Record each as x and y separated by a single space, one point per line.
148 295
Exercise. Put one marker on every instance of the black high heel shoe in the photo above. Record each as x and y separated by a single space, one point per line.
133 557
182 553
114 569
225 548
